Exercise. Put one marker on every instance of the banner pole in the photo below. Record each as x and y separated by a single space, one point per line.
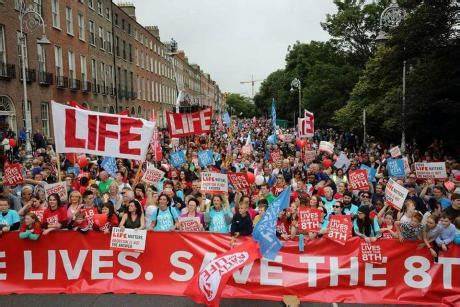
58 161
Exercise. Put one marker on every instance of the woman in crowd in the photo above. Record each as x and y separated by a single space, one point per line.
33 206
364 226
192 205
110 222
165 218
218 214
55 215
31 228
134 217
75 201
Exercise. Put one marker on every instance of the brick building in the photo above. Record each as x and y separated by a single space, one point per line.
99 56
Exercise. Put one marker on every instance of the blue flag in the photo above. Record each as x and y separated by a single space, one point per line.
205 158
265 230
109 164
73 170
177 158
370 172
395 168
273 113
226 119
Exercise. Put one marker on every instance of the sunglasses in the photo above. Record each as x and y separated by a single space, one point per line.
335 206
365 196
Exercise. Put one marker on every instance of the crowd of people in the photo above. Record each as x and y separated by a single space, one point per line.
97 201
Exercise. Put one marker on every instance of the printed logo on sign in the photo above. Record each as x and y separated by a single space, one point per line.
211 274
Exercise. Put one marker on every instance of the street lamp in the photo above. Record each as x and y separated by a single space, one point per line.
172 52
296 84
391 18
35 21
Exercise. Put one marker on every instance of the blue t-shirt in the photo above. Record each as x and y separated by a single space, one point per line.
10 218
165 219
328 205
217 221
353 210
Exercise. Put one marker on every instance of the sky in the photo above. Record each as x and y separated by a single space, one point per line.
235 39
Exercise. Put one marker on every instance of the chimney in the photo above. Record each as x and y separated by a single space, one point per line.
128 8
154 30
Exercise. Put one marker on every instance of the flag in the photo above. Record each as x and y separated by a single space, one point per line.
154 142
274 113
207 284
265 230
226 118
109 164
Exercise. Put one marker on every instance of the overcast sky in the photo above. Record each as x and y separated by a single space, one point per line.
233 39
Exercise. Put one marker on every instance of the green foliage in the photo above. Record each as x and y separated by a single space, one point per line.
240 106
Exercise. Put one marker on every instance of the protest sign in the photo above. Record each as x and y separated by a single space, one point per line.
12 174
371 253
370 172
239 181
152 175
309 219
431 170
395 168
359 180
406 165
339 228
342 162
189 223
109 164
185 124
306 126
83 131
309 156
177 158
326 147
205 158
395 194
59 188
128 239
214 183
395 152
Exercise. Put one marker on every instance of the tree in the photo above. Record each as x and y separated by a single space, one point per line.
240 106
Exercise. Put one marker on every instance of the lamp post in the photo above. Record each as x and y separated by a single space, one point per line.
391 17
33 22
172 52
296 84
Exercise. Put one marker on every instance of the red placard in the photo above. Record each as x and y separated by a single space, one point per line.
12 174
185 124
371 253
72 263
309 219
339 228
239 181
189 223
358 180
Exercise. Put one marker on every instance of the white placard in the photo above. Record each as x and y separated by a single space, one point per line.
395 194
128 239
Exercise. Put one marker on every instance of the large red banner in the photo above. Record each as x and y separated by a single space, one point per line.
185 124
70 262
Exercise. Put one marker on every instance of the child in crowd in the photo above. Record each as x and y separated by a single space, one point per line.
410 230
241 223
31 227
431 231
447 234
262 205
80 223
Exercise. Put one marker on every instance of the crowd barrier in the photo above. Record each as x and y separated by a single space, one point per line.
71 262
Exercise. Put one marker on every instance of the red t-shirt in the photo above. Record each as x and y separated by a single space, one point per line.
111 222
52 216
38 212
89 215
35 229
386 234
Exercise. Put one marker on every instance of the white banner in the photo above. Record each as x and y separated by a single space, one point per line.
326 146
103 134
128 239
342 162
434 170
58 188
395 152
214 183
395 194
306 126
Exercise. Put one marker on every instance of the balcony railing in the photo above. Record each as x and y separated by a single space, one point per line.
132 95
7 71
45 78
62 82
31 76
86 86
75 84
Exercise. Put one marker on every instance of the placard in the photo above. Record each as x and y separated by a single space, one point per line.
395 152
239 181
431 170
177 158
371 253
306 126
128 239
185 124
12 174
205 158
395 168
189 223
395 194
339 228
326 147
309 219
152 175
59 188
359 180
342 162
214 183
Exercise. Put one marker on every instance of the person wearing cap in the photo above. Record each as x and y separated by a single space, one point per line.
348 207
364 226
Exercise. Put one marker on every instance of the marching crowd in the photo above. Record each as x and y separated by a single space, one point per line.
98 201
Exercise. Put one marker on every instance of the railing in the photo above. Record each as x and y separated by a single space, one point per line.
7 71
86 86
45 78
75 84
31 76
62 82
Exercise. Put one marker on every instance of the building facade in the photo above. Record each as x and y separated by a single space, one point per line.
100 57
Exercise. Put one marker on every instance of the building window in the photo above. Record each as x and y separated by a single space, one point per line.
130 51
2 45
37 4
45 119
58 60
71 57
91 33
41 58
55 13
117 46
129 28
124 50
116 19
107 13
109 42
94 72
104 77
123 24
99 7
69 20
136 52
101 38
83 69
81 27
91 4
